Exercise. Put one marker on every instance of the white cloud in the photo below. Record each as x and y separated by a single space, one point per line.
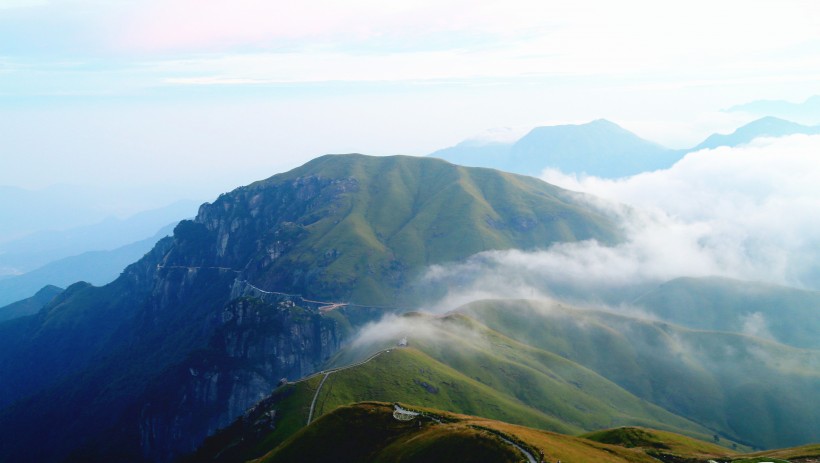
462 39
748 212
12 4
755 325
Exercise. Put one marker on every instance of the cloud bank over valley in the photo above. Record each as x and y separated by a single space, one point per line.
746 212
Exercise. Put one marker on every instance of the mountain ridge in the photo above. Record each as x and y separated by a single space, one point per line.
600 148
182 354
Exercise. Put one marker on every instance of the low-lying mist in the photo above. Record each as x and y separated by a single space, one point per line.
748 213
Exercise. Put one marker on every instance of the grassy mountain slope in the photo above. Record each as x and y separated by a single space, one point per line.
458 365
805 453
412 376
573 396
788 315
339 228
747 389
671 447
381 220
368 432
579 369
658 441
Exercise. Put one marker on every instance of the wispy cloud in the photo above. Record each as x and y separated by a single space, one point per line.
745 212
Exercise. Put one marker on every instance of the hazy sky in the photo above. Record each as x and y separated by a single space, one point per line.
215 93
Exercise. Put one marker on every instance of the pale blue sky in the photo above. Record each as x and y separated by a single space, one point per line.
211 94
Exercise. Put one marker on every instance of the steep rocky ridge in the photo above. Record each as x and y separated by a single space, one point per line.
147 366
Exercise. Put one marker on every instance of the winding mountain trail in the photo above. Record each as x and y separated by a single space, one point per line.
316 396
324 306
328 373
160 266
530 457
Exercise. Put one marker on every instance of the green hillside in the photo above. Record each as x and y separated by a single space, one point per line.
788 315
454 364
367 432
805 453
561 369
376 222
750 390
671 447
148 360
657 441
575 397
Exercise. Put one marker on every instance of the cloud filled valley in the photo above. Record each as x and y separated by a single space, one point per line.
746 213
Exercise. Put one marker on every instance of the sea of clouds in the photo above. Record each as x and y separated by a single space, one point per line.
750 212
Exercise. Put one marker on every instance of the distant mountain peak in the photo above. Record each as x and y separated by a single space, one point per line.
599 147
768 126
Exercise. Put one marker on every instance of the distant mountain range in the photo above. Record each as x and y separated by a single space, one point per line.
24 212
95 267
600 148
807 111
765 127
30 252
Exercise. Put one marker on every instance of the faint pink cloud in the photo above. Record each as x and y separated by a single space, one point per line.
214 25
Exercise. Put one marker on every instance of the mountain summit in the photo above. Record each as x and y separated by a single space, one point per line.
211 320
601 148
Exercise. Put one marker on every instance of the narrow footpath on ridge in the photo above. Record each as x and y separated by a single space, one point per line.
328 373
530 457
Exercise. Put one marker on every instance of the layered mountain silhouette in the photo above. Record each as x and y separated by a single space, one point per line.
807 110
600 148
96 267
764 127
30 305
40 248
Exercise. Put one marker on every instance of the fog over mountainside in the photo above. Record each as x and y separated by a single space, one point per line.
210 320
738 212
599 148
615 258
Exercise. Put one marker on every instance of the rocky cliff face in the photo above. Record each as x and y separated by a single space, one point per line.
174 349
259 344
